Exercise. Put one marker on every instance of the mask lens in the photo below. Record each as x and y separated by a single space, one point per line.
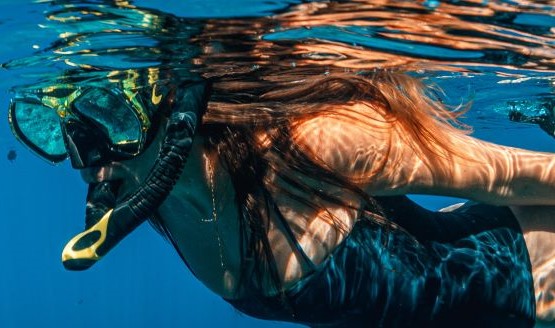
40 129
121 123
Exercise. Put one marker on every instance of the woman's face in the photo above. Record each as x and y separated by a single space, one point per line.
188 211
128 174
189 195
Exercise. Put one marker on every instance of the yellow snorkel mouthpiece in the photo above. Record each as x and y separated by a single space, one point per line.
82 251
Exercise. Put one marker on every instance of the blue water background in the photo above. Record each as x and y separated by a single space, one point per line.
142 283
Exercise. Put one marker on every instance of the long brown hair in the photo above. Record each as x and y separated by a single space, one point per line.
262 87
241 109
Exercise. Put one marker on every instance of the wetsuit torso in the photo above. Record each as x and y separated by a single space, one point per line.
466 268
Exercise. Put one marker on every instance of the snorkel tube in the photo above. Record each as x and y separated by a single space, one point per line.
118 220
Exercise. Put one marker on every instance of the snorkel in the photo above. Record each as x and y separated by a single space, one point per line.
109 222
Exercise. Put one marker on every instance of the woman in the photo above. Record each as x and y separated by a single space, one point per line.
318 180
291 205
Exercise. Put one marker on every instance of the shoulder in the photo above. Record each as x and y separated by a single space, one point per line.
365 144
351 139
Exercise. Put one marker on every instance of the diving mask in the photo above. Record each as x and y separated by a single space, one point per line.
88 124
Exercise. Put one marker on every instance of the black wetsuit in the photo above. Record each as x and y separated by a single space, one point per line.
469 268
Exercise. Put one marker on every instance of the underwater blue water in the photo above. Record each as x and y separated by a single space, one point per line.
143 283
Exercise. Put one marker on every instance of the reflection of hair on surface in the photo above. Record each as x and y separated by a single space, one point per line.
368 35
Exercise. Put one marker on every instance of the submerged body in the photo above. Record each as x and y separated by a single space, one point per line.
384 278
340 263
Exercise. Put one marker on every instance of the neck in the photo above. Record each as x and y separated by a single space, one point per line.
202 221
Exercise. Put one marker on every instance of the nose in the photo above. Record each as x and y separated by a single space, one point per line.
86 144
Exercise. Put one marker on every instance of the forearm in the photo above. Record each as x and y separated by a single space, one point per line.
381 158
527 178
497 175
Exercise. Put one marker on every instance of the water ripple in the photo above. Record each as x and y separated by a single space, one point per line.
509 39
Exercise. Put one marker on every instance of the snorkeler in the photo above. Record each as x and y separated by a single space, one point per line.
291 206
545 117
92 136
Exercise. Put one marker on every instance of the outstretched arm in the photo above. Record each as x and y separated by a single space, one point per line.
364 146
